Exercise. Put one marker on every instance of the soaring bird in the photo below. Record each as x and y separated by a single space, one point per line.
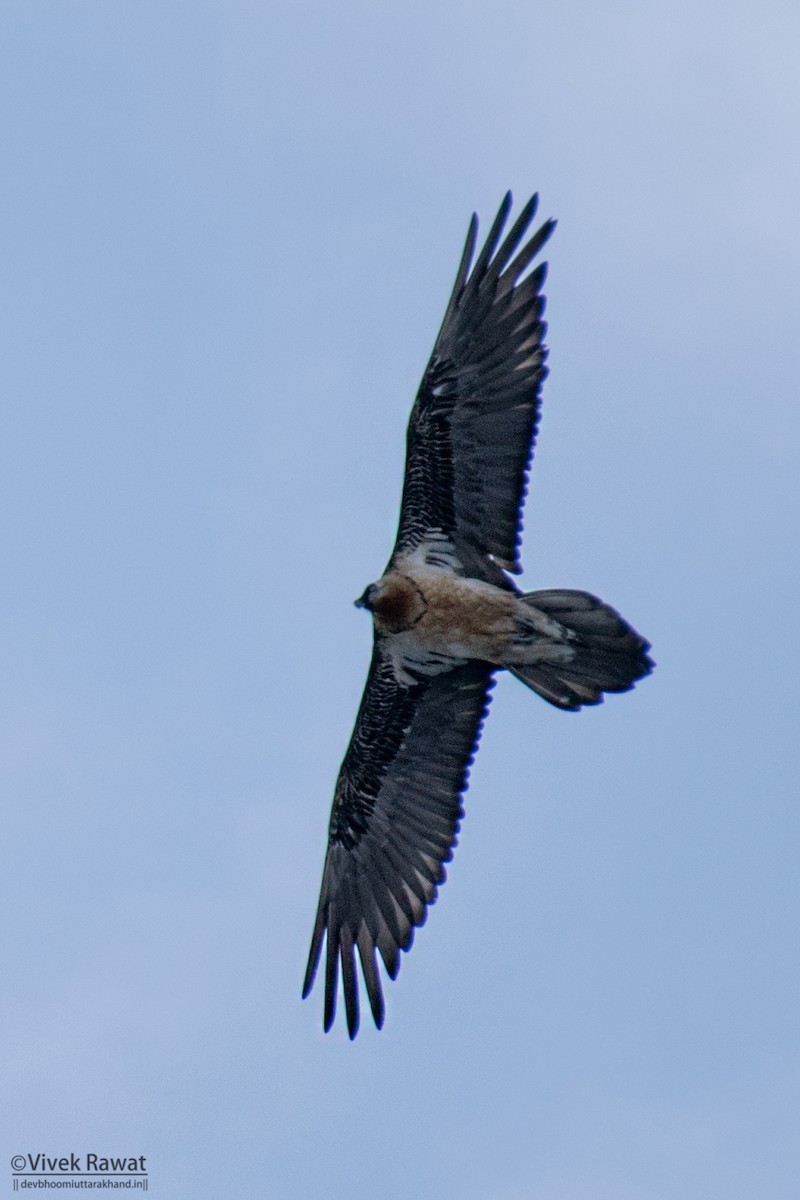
446 617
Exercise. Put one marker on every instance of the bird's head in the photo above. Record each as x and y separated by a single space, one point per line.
395 602
368 597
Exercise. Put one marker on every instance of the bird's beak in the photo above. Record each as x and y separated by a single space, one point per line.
366 598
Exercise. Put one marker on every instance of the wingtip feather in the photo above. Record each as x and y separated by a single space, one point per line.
349 981
314 952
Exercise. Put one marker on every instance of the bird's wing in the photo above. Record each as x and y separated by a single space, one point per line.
396 813
473 424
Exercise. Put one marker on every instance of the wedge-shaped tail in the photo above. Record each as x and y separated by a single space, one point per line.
607 655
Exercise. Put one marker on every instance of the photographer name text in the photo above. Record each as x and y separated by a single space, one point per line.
83 1164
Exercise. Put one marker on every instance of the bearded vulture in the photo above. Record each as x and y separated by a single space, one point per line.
446 617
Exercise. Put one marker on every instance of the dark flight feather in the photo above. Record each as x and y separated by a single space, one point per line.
473 425
395 818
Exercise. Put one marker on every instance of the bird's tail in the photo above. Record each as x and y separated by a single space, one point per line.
594 650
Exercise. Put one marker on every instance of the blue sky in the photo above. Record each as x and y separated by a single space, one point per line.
229 233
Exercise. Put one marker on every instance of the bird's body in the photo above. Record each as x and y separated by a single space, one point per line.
447 617
433 617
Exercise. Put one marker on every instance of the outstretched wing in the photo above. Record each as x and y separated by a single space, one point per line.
473 424
396 813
